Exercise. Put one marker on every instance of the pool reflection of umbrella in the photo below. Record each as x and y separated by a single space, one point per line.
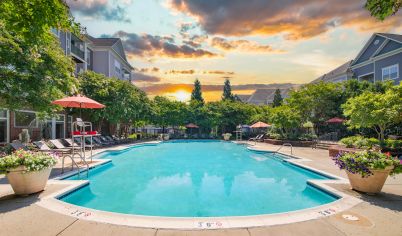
78 101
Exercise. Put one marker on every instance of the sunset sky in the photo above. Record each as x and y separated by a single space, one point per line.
173 42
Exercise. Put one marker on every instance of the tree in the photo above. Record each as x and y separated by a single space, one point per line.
227 91
167 112
286 119
317 102
124 102
381 9
375 110
277 98
196 94
33 68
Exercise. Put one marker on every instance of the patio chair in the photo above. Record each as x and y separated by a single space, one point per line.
43 147
110 139
59 145
255 138
17 145
105 140
98 141
68 142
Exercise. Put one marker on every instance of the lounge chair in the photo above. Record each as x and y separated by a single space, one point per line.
17 145
255 138
43 147
258 138
98 141
59 145
105 140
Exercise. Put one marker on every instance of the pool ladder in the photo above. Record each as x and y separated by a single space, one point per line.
73 162
285 145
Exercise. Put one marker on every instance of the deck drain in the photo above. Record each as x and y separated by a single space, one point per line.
350 217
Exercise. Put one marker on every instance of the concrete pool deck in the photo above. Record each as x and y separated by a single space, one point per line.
378 215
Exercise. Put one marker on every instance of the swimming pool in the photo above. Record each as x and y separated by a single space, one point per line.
198 179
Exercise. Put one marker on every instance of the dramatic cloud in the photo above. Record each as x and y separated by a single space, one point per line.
149 46
140 77
296 19
100 9
219 72
148 70
182 72
241 45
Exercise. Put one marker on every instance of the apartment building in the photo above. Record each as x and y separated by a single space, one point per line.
380 59
101 55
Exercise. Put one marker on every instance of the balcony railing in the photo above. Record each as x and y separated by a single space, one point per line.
77 47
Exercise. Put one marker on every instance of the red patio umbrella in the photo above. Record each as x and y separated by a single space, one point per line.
191 125
336 120
78 101
260 124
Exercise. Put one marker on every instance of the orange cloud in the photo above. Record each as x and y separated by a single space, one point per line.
241 45
183 72
299 19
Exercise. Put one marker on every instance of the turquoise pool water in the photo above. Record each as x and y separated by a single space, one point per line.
197 179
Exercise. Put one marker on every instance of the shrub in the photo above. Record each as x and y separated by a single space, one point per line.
363 162
391 143
32 161
360 142
132 136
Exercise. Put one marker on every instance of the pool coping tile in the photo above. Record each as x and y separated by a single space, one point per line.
344 202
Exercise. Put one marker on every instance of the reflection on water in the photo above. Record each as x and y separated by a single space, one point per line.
198 179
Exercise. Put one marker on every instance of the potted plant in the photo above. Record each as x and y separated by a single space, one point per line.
227 136
27 171
368 170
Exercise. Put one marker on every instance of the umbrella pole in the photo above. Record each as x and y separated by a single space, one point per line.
80 111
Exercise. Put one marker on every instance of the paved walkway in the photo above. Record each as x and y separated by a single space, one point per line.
378 215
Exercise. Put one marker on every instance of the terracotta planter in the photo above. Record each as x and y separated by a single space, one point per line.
24 183
372 184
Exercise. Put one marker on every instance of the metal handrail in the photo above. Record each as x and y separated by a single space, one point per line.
72 164
285 145
85 162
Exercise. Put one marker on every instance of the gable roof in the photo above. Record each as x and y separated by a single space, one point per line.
333 74
113 43
266 96
243 97
102 42
394 37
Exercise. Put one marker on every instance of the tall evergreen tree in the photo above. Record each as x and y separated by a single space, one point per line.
227 91
196 94
278 100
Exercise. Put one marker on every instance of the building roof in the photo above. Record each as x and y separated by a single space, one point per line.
333 74
395 37
266 96
113 43
243 97
108 42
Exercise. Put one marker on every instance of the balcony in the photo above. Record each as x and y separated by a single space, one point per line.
77 47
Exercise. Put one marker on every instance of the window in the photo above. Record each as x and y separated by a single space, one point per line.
3 126
25 119
89 56
117 67
390 72
56 32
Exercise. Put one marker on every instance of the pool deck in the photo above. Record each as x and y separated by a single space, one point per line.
378 215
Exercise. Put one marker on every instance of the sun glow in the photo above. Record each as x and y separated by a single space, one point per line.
181 95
